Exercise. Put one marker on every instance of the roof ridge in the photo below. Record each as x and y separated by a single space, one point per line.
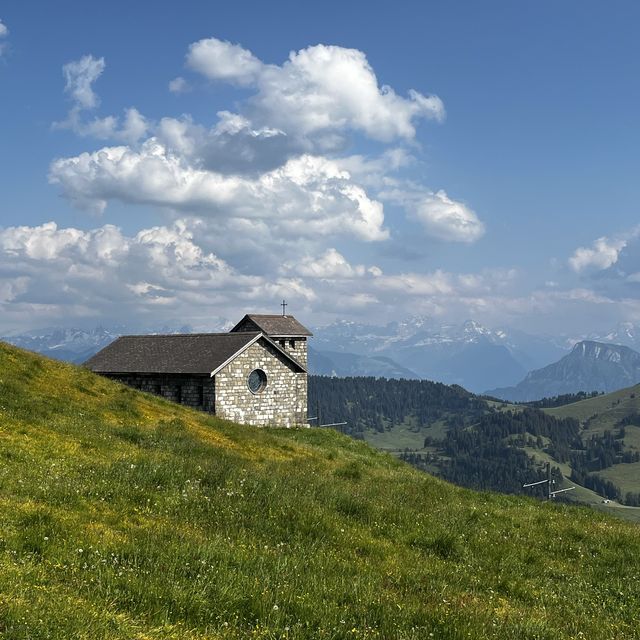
186 335
269 315
274 325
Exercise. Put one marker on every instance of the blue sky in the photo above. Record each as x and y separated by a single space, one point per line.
205 159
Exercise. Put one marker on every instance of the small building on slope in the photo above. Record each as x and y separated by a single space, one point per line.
255 374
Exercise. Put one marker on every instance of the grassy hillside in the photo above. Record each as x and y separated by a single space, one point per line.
607 413
124 516
609 408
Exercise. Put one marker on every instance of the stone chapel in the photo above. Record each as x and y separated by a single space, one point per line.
254 374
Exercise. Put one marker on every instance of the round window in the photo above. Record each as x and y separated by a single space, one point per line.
257 381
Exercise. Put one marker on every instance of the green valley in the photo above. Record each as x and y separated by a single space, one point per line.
592 443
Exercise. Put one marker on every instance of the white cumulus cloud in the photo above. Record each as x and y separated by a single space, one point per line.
102 272
80 76
601 255
307 196
221 60
4 32
232 145
329 265
447 219
318 93
179 85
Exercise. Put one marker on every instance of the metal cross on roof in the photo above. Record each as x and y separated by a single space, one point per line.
284 305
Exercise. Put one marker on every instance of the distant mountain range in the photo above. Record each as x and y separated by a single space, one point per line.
71 345
625 333
468 354
590 366
76 345
341 364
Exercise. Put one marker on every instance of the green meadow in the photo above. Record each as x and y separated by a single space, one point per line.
124 516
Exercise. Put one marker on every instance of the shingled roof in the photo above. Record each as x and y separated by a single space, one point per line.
193 353
276 326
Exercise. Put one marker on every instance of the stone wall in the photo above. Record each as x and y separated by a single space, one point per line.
297 347
197 392
283 401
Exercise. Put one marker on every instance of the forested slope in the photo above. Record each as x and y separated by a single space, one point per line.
477 442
